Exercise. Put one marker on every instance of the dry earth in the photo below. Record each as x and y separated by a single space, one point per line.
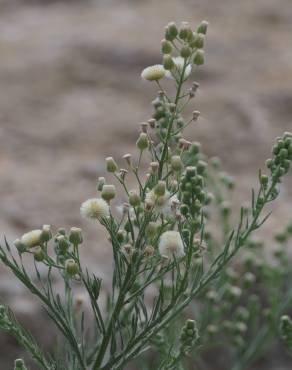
70 94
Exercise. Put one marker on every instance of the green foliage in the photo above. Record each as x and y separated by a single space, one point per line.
177 290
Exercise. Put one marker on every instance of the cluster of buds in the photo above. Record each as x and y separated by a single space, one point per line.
36 242
189 336
191 45
192 194
282 156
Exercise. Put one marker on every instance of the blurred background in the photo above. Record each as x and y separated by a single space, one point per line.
71 94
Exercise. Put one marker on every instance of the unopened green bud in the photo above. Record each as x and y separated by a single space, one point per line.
152 229
71 267
171 31
160 188
121 236
19 365
134 198
199 57
185 31
191 171
225 209
203 27
168 62
142 142
185 52
62 242
201 167
283 153
184 209
176 163
111 165
46 234
198 41
39 254
61 230
195 148
108 192
100 183
264 180
166 47
20 246
75 235
154 167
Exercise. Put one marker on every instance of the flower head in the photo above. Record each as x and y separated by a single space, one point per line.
163 204
179 64
94 208
32 238
170 243
153 73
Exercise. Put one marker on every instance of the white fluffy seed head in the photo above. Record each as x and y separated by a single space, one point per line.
153 73
170 243
95 208
179 63
32 238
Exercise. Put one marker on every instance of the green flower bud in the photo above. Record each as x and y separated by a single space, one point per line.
20 246
283 153
201 167
134 198
142 142
171 31
152 229
225 209
199 57
203 27
160 188
75 235
264 180
111 165
195 148
108 192
185 31
185 52
39 254
71 267
168 62
198 41
62 243
100 183
46 234
19 365
61 230
176 163
190 171
121 235
166 47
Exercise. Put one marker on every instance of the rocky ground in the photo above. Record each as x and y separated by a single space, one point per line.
70 95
